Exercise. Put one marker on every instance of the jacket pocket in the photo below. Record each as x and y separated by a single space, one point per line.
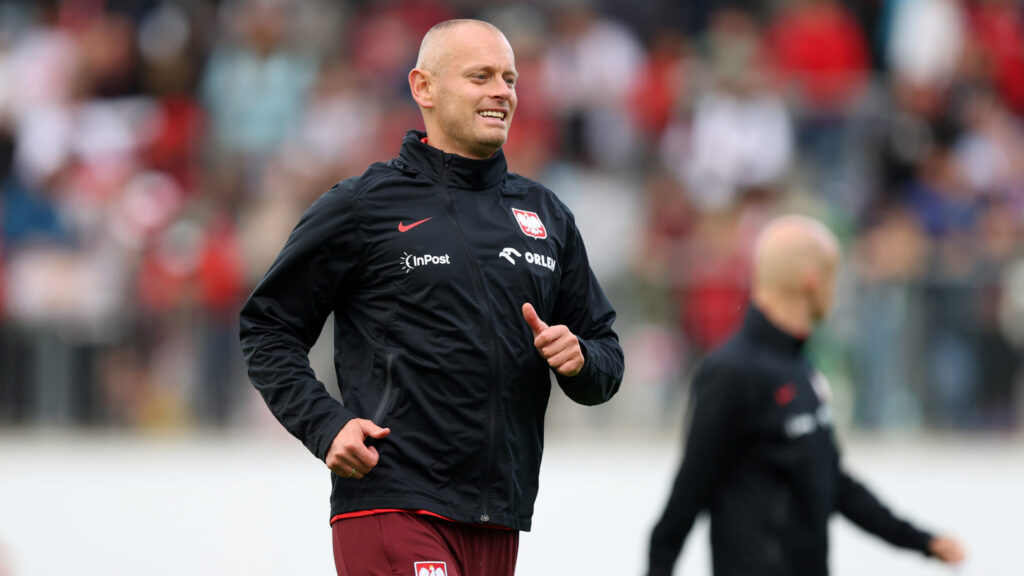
387 398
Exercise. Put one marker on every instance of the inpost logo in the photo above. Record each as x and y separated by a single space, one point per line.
409 262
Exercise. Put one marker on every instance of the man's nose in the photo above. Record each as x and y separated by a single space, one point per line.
502 90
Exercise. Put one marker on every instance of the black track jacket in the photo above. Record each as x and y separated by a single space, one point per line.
761 458
426 262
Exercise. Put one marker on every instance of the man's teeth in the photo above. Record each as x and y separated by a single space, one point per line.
493 114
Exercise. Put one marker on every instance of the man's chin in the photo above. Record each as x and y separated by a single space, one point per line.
494 138
487 147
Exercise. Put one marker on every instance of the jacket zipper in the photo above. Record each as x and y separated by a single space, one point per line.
478 282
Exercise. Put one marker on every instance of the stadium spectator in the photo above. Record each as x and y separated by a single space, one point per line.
317 152
661 87
926 42
711 290
384 66
997 28
760 454
592 66
254 87
999 359
220 281
821 57
441 269
171 51
820 50
741 137
890 259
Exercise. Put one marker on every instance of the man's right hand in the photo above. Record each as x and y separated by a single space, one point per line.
349 456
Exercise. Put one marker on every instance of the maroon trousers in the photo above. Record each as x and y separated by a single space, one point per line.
406 544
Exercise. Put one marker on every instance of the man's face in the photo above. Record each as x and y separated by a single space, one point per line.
474 94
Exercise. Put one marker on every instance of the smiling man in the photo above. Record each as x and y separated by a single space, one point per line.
457 289
464 83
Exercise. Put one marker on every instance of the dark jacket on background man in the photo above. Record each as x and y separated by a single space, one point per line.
761 458
426 262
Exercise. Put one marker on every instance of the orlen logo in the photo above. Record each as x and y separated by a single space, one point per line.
411 261
531 257
530 223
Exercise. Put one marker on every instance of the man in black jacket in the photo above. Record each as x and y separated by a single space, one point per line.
760 454
457 289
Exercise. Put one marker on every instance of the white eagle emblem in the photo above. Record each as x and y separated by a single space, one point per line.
530 223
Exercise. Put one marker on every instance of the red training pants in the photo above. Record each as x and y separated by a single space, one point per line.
400 544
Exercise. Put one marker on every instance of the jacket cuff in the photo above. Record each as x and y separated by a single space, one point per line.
587 371
924 543
329 430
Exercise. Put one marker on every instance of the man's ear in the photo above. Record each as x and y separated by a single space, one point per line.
810 280
421 87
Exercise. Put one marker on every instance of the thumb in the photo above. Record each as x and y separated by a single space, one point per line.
536 324
372 430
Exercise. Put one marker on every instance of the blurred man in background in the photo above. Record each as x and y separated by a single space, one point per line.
441 269
760 452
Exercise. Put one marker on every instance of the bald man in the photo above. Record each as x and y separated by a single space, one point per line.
458 289
760 453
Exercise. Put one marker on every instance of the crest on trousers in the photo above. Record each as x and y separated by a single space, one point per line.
430 569
530 223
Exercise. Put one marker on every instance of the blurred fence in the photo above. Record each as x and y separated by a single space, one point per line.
927 354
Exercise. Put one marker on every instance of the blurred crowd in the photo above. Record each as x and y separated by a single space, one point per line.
155 154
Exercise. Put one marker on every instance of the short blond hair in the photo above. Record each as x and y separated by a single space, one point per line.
430 54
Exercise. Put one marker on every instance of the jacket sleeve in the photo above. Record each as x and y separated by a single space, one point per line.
862 508
284 315
711 443
582 306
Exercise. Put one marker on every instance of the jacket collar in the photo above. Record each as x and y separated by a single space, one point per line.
761 330
462 172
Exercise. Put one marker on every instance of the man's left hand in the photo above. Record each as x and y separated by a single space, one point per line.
557 344
947 549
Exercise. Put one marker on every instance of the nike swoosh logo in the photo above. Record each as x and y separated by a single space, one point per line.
403 227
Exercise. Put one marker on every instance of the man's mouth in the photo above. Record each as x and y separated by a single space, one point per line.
492 114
